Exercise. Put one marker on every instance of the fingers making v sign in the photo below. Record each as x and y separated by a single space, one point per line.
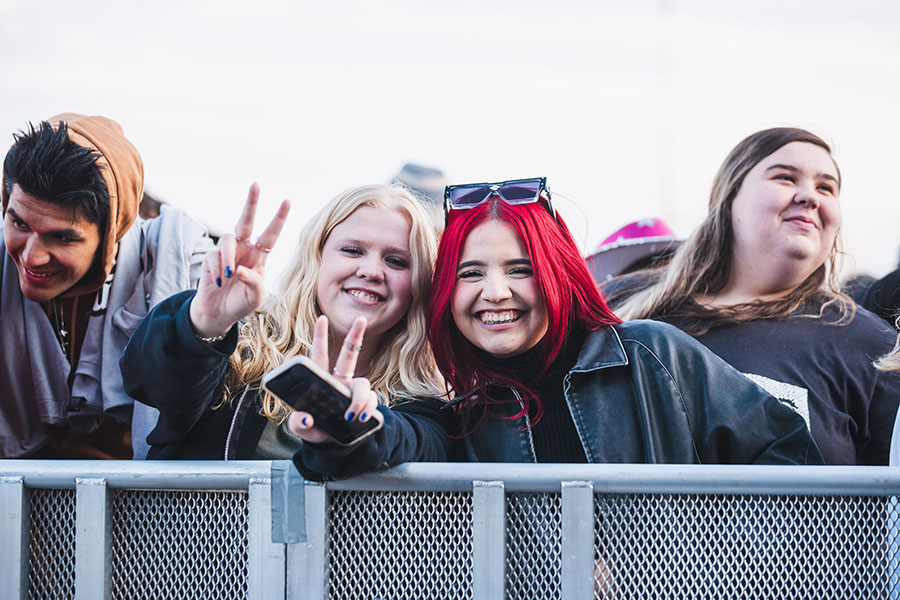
363 400
233 280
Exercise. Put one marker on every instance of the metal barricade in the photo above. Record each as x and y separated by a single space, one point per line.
93 529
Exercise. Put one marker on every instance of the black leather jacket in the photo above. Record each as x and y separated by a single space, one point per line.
640 392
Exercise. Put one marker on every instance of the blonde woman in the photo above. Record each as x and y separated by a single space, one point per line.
199 358
756 284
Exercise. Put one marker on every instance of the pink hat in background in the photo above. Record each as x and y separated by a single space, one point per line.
632 247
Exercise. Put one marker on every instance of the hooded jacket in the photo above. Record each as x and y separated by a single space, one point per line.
33 369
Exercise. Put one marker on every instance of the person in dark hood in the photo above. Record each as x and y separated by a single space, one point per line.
79 272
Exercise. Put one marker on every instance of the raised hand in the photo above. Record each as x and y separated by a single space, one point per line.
363 401
232 284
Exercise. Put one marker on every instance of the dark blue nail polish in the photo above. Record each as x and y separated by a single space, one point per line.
363 417
350 416
303 421
219 281
228 272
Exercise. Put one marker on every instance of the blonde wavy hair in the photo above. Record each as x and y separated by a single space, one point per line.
283 326
891 360
702 264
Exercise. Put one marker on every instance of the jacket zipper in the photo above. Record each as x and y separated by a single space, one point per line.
237 409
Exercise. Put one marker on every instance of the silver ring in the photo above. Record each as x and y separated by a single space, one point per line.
339 374
351 347
263 248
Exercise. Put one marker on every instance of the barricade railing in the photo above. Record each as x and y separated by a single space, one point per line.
255 529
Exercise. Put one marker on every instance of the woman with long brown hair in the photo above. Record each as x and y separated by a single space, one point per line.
756 283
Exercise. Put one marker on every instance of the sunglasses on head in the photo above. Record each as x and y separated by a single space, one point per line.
515 191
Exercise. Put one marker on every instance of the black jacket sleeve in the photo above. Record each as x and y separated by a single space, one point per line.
165 366
413 431
883 298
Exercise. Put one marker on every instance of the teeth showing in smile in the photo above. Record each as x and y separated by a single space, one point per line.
497 318
37 275
366 296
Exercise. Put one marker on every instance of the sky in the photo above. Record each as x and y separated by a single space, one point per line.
628 108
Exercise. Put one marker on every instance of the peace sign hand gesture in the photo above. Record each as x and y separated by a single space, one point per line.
363 401
232 283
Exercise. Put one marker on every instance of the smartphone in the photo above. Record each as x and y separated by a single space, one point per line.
306 386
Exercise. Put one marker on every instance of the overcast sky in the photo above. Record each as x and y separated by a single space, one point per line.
627 108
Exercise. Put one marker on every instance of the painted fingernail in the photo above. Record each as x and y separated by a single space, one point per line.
228 272
303 421
219 281
363 417
350 416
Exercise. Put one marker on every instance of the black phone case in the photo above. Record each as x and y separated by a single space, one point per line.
304 389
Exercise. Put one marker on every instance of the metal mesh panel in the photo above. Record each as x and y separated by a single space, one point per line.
51 558
533 545
180 544
396 545
707 546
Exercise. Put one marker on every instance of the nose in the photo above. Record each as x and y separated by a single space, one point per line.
34 254
495 289
370 268
807 195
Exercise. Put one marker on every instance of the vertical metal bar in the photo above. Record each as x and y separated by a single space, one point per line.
93 539
15 520
489 540
577 540
266 560
308 561
288 512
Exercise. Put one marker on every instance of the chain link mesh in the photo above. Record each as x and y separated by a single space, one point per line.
533 546
400 545
171 544
51 557
747 547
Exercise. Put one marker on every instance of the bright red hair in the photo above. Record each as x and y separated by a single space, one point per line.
571 296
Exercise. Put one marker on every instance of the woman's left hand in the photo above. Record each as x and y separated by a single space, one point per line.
363 401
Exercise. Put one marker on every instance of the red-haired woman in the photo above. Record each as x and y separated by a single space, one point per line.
543 371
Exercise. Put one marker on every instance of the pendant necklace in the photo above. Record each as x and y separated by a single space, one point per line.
59 325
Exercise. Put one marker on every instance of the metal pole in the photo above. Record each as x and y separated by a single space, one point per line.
488 540
307 561
15 519
266 559
93 539
577 579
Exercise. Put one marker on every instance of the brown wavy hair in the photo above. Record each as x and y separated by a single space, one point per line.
702 264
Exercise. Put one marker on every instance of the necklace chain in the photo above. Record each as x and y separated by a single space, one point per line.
59 326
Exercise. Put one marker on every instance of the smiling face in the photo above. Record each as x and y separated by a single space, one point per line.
786 216
53 247
496 302
365 271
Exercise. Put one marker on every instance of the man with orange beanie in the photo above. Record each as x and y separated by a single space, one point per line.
79 272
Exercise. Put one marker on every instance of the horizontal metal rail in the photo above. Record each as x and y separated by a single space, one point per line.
138 475
633 478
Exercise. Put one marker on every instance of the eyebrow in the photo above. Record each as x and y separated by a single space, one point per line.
794 169
69 232
479 263
367 244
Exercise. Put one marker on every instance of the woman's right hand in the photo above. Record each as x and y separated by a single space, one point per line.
232 283
363 400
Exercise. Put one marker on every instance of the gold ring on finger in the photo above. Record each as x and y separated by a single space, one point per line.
339 374
263 248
